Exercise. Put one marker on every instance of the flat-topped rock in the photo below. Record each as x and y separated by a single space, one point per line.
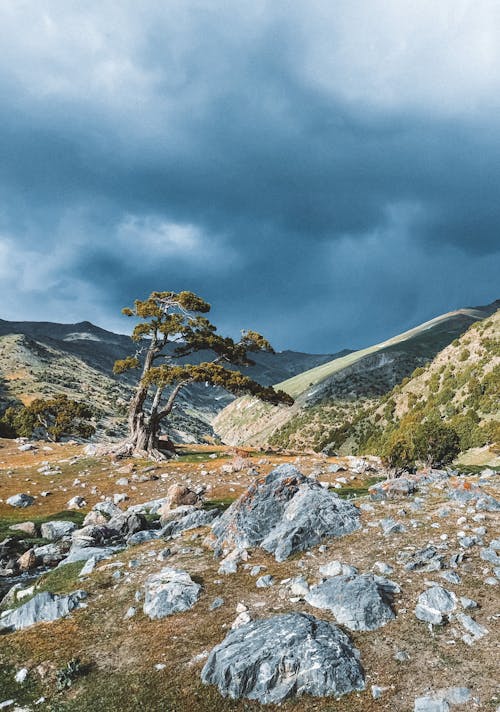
361 602
284 656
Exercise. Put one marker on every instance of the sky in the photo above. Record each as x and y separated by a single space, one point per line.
324 172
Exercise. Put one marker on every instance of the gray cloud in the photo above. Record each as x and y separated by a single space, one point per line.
328 174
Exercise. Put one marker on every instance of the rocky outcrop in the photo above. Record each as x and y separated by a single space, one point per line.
283 513
43 608
361 602
284 656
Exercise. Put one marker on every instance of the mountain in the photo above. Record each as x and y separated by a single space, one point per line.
461 386
331 396
39 359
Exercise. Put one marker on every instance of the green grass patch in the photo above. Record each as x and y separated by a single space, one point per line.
355 492
22 515
197 456
222 503
23 694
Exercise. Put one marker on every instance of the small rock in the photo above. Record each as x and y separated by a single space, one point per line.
20 500
21 675
434 604
264 581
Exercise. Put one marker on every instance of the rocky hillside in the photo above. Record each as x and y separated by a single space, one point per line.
329 398
40 359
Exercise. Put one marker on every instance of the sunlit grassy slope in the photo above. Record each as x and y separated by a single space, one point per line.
430 330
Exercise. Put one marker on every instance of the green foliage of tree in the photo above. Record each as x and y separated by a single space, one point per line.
172 328
51 418
436 443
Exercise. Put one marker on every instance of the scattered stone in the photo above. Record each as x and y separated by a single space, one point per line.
20 500
335 568
130 612
473 629
264 581
216 603
451 577
142 536
284 656
434 604
390 526
21 675
361 602
169 591
383 568
44 607
76 503
241 619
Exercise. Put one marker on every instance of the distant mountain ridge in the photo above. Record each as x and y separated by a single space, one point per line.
44 358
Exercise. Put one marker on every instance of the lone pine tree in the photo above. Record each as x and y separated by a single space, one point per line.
173 327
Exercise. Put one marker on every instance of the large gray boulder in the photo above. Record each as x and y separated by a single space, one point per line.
361 602
284 656
126 523
57 529
20 500
283 513
90 535
434 605
43 608
169 591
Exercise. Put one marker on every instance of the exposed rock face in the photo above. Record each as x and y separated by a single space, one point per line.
169 591
20 500
44 607
284 513
359 602
57 529
90 536
284 656
434 604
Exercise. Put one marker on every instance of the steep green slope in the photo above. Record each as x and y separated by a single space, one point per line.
461 386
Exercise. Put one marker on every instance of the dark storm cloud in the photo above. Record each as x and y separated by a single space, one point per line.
302 193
